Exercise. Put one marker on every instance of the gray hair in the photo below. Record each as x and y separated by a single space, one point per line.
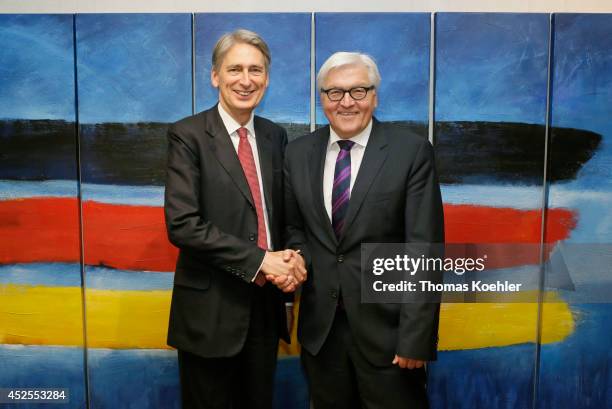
240 36
342 59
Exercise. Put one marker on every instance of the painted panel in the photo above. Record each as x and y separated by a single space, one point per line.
134 77
576 373
399 43
287 100
490 108
37 168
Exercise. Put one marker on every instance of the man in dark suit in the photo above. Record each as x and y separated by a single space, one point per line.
224 211
360 181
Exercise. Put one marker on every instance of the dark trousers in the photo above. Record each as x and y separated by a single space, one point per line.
244 381
340 376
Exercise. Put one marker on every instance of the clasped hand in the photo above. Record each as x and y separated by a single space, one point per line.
285 269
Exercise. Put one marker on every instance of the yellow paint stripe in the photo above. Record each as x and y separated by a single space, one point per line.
36 315
127 319
479 325
40 315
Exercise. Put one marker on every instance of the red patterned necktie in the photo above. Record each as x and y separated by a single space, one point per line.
245 156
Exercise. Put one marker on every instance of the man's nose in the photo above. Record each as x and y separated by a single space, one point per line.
347 100
245 78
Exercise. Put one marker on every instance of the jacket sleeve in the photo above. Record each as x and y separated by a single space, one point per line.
186 228
418 328
294 224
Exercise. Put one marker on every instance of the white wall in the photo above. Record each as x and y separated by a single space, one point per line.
94 6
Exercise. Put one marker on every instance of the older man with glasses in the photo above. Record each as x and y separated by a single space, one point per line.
355 181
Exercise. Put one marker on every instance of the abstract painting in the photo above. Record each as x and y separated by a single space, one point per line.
490 115
134 77
577 373
85 265
41 312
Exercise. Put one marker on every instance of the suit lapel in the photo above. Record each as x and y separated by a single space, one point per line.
316 158
373 159
221 145
265 153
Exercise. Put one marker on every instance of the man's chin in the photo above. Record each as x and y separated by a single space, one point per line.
346 131
245 105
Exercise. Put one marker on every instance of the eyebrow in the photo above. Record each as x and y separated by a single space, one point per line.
240 66
346 89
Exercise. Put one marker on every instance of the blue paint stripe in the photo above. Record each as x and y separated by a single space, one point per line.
68 275
46 274
130 195
109 279
114 194
13 189
516 196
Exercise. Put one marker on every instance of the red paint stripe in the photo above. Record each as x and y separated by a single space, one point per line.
127 237
484 225
44 229
481 224
134 237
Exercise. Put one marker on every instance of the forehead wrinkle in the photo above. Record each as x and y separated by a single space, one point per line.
359 79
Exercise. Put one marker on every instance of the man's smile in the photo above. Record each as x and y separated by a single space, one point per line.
244 93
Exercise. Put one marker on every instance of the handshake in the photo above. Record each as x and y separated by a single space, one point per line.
285 269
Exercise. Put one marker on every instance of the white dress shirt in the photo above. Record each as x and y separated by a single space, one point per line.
232 129
333 149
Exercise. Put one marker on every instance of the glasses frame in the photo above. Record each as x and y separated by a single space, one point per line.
349 91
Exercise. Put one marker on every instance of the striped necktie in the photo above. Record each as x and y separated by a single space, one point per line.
341 191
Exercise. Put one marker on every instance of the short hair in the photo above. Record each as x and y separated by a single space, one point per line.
240 36
342 59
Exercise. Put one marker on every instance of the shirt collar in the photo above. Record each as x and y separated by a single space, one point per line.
360 139
232 125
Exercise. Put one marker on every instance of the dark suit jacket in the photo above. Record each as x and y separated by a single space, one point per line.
211 218
395 199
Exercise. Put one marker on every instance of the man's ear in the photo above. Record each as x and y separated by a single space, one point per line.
214 78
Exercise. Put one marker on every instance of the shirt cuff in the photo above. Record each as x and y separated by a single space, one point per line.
259 269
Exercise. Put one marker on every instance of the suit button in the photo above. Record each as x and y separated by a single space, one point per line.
340 258
333 293
252 237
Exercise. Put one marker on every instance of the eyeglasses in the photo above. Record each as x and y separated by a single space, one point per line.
357 93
